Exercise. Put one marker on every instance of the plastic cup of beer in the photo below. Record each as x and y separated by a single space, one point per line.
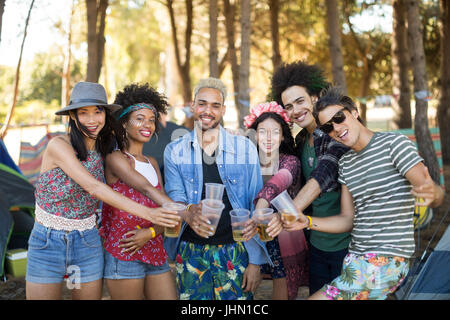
239 217
262 217
285 206
214 191
179 208
212 210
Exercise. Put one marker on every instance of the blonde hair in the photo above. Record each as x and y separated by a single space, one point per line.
213 83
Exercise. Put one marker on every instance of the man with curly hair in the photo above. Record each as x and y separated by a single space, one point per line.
296 86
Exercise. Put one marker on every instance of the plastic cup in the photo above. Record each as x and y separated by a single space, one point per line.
262 217
238 219
285 206
179 208
214 191
212 210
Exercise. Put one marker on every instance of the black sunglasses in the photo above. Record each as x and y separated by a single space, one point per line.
338 117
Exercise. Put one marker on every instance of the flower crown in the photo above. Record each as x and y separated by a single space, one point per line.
261 108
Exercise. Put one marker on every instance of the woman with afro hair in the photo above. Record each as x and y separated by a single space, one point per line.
136 263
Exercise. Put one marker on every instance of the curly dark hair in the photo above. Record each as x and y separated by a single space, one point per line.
287 144
298 73
141 93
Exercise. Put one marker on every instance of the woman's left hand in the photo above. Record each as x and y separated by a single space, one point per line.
134 240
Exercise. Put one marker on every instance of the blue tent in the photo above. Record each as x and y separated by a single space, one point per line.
16 207
6 159
430 278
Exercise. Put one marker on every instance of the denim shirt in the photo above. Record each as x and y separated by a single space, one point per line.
328 152
238 165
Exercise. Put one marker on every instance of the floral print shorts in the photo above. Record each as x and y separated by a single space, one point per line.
211 272
367 277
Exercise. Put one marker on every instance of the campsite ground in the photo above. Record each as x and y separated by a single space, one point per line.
14 288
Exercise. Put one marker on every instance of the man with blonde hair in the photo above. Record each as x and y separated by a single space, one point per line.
212 265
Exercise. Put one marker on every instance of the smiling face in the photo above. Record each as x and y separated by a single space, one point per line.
269 136
91 117
208 108
299 105
347 132
141 125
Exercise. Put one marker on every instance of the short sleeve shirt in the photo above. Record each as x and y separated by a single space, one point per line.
384 205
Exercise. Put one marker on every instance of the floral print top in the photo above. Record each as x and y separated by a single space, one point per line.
274 186
116 223
56 193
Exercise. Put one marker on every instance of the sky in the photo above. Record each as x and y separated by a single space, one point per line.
45 13
40 33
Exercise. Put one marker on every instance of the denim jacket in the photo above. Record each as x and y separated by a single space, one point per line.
238 164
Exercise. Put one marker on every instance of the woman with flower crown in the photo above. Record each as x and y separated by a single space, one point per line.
281 171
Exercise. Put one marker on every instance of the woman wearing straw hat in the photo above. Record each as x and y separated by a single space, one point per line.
65 243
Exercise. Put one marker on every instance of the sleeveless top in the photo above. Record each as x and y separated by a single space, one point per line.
58 194
116 223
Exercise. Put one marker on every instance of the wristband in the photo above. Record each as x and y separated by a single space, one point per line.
189 206
153 232
310 223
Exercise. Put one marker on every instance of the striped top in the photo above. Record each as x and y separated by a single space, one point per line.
384 206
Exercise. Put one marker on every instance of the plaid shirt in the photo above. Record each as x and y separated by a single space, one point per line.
328 153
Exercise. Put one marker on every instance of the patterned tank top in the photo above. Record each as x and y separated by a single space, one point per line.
56 193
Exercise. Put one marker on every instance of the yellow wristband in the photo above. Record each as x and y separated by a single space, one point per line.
189 206
310 223
153 232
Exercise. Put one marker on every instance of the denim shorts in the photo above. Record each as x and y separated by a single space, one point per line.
118 269
54 255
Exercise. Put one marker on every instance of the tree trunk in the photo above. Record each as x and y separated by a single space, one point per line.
101 35
334 43
229 27
424 142
65 87
2 8
274 7
213 52
244 68
183 68
400 68
10 113
96 37
443 112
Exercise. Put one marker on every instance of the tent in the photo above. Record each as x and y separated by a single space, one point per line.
429 277
16 210
31 156
6 159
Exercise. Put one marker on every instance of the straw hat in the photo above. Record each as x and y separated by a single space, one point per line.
87 94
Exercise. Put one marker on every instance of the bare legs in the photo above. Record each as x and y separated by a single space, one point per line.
53 291
153 287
